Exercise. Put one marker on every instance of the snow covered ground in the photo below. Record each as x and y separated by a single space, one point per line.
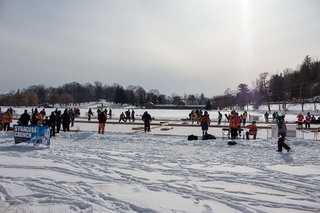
128 170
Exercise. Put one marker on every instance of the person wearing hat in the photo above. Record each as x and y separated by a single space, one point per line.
282 132
252 130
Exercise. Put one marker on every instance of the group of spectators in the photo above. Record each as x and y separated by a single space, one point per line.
306 120
128 116
90 113
236 122
40 118
54 120
195 115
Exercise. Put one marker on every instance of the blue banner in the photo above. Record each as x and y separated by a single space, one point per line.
32 134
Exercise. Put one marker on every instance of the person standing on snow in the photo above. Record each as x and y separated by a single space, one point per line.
65 117
219 117
58 120
307 120
7 119
52 123
133 113
24 118
300 118
146 117
282 132
234 124
266 117
244 118
110 113
90 113
205 122
102 118
128 115
122 117
1 122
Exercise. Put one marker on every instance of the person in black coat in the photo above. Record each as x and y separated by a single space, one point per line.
52 123
65 117
24 118
146 117
58 120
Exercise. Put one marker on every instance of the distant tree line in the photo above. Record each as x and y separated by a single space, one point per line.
298 86
75 93
291 86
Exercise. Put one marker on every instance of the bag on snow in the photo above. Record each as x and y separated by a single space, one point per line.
192 137
232 143
208 137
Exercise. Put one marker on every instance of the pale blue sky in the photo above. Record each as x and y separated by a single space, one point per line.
176 46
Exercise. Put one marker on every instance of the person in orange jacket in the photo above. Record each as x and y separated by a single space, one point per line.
7 119
205 122
252 130
234 124
1 122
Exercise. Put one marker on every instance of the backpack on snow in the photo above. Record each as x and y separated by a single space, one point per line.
232 143
192 137
208 137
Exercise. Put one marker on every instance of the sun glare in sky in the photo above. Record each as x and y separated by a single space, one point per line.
181 47
247 42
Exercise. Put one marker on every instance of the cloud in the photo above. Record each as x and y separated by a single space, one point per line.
173 46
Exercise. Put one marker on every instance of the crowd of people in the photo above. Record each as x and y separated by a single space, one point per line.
236 121
252 128
66 119
306 120
55 120
128 116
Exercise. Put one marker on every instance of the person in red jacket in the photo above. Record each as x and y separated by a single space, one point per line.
102 118
252 130
300 120
205 122
308 120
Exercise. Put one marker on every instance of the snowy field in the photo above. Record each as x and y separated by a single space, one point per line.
131 171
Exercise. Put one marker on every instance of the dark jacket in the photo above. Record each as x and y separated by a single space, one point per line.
52 119
65 117
102 117
146 117
282 128
24 119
